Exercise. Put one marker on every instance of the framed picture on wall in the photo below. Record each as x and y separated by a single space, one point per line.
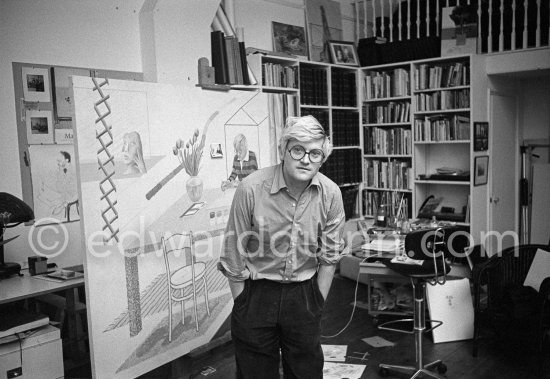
36 84
289 39
39 127
481 170
481 136
345 53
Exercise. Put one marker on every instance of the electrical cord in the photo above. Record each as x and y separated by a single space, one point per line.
354 305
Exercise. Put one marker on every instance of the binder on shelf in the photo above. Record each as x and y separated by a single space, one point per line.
219 57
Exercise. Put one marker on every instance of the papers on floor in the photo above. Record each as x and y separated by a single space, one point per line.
336 353
334 370
403 259
377 341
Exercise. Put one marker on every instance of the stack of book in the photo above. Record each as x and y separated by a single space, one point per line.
229 59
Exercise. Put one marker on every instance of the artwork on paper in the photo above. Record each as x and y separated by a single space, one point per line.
36 84
144 175
39 127
290 39
63 132
55 193
324 23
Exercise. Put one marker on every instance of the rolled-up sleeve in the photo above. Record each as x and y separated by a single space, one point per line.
332 243
232 258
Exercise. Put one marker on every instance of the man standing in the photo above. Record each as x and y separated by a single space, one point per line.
283 239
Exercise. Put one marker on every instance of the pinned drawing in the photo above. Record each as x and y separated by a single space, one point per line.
54 184
132 152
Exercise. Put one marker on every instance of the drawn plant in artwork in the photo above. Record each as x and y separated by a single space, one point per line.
189 154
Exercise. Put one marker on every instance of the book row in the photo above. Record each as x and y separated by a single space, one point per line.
397 203
390 112
344 93
441 128
378 85
443 100
344 128
384 141
276 75
313 86
320 114
344 166
441 76
394 174
228 59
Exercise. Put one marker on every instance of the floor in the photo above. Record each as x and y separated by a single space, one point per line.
494 361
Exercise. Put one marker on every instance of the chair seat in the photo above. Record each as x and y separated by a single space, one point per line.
424 271
184 276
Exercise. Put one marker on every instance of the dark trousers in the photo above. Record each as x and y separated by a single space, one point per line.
269 317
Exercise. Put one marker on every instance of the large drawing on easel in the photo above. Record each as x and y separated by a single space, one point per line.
145 172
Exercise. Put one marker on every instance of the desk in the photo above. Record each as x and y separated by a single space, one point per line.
26 287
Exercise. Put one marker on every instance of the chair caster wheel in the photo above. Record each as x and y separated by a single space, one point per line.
383 372
442 368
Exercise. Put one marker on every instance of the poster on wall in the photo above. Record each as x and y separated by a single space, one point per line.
39 127
55 195
63 132
36 84
458 30
324 23
145 173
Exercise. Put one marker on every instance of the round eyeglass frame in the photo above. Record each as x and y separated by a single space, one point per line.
304 152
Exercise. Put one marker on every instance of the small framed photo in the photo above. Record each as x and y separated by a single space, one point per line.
216 150
481 136
481 170
343 52
39 127
36 84
289 39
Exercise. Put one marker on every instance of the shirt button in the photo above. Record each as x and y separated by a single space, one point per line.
290 261
293 204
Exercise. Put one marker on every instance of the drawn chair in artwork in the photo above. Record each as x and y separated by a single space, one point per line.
430 247
185 276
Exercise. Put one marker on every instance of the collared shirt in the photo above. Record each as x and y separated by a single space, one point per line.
271 235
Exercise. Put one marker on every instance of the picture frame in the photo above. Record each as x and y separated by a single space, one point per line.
481 170
481 136
289 39
216 150
36 84
344 53
39 126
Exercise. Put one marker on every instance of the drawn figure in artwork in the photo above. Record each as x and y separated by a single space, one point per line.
244 162
132 153
282 242
58 189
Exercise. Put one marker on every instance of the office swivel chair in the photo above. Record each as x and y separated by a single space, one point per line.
429 246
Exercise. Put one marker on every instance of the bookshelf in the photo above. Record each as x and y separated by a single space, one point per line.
387 132
329 93
442 134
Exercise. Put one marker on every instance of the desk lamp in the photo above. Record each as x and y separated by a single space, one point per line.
13 212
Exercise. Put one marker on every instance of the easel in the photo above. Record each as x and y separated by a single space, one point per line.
526 185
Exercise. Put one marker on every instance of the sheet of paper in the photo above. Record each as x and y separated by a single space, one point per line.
334 370
335 353
377 341
539 270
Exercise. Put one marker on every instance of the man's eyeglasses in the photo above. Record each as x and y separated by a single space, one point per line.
297 152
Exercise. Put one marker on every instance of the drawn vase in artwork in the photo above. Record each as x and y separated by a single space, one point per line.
194 187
